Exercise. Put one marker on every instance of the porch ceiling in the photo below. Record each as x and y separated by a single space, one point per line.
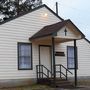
62 39
48 40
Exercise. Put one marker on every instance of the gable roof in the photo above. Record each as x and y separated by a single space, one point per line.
30 12
52 29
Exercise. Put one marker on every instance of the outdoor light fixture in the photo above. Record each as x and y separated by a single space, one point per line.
45 15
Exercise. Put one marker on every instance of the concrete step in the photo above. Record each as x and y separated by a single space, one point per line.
63 83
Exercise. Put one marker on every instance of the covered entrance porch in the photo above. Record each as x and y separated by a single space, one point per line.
46 39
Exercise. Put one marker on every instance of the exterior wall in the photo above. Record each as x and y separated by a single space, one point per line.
83 56
19 30
16 82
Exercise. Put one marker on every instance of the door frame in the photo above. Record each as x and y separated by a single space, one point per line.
50 54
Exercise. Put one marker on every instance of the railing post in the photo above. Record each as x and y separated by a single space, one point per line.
51 74
47 73
37 72
42 71
66 74
60 71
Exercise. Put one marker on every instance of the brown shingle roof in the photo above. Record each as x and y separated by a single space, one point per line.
49 30
52 29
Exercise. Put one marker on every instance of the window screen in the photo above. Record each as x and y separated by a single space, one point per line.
70 57
25 56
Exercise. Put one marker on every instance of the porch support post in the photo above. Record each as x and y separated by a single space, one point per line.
53 58
39 62
75 63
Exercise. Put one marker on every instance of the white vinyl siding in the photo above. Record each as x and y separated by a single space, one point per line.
83 56
20 30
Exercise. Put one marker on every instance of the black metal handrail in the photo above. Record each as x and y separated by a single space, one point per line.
64 67
60 71
41 73
47 69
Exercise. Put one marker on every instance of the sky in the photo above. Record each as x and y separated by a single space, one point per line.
78 11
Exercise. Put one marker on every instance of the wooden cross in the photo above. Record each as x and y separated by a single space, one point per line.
65 32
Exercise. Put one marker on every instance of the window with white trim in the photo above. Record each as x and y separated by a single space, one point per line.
24 56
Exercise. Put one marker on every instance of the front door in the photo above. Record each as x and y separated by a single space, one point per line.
45 56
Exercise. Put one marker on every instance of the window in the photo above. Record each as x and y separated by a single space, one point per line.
24 56
70 57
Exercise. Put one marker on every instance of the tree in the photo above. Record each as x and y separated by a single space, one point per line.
8 9
11 8
27 5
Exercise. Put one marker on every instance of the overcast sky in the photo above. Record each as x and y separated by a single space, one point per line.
76 10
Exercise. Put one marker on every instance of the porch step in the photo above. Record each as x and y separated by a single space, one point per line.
62 83
44 81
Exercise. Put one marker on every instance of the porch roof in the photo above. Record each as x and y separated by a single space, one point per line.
51 30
